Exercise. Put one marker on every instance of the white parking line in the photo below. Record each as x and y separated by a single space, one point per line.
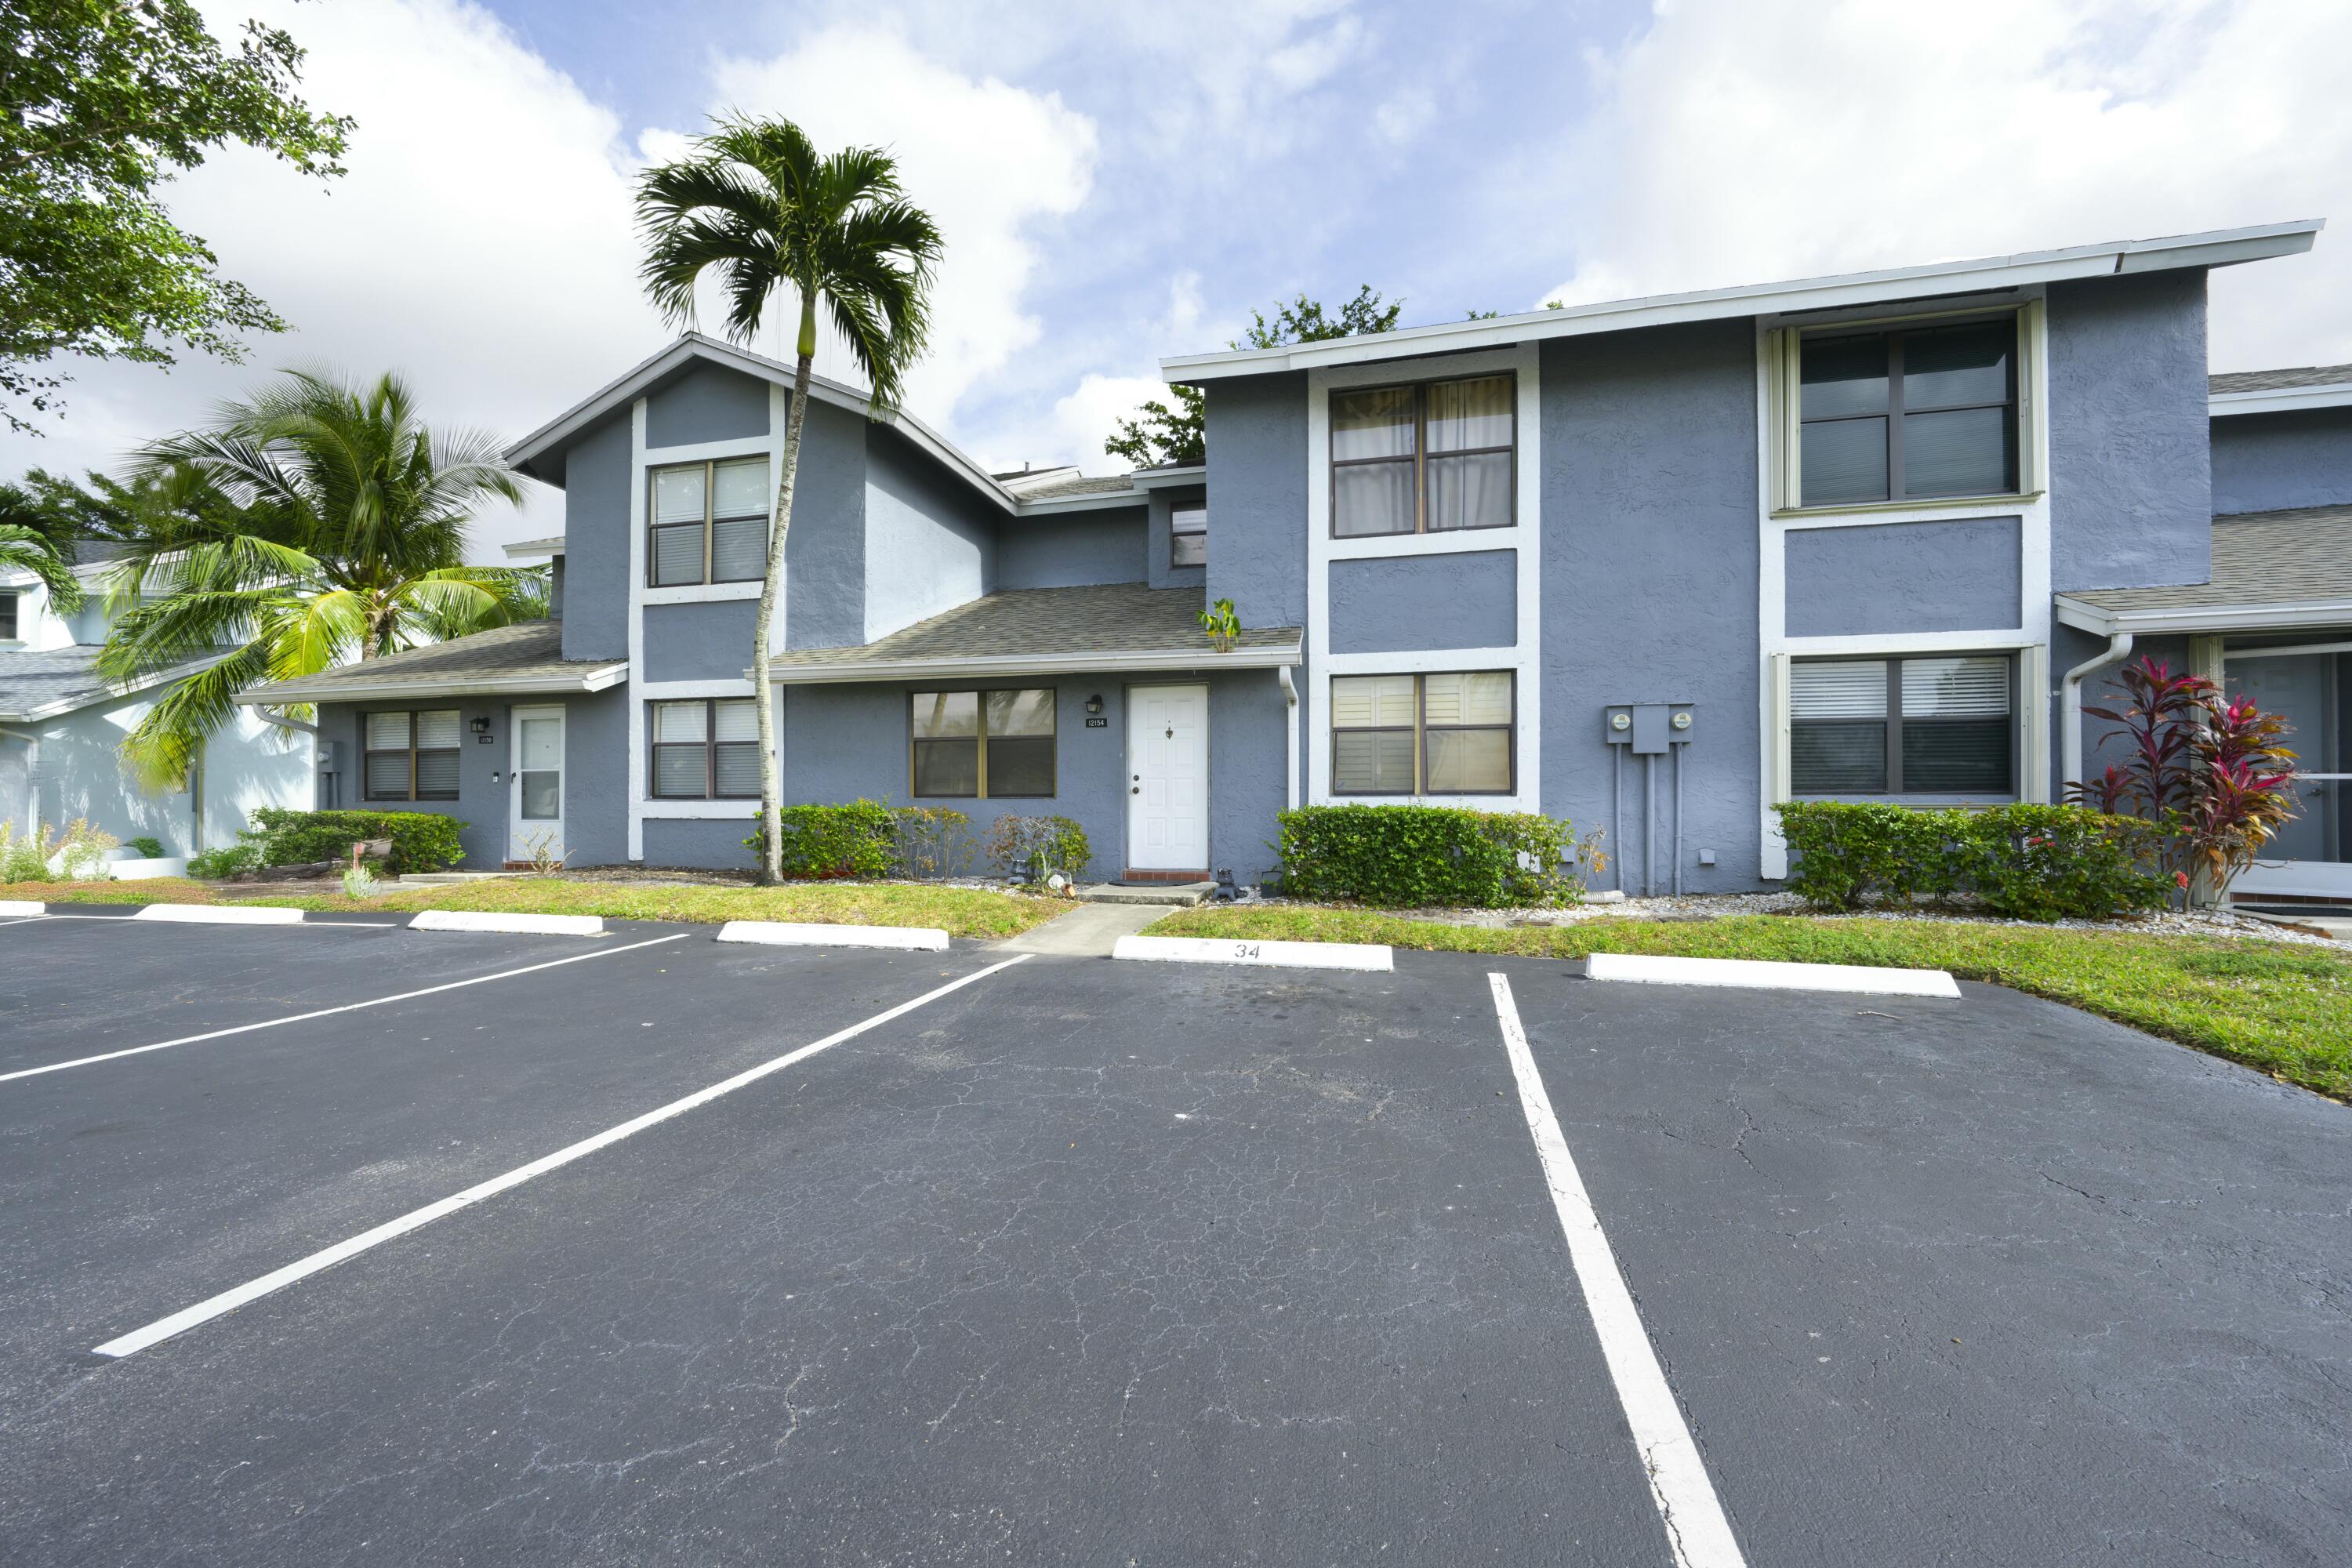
330 1012
229 1301
1696 1530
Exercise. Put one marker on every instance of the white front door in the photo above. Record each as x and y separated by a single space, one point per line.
537 819
1167 783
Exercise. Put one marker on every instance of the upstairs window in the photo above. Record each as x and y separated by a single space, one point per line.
1422 460
707 523
1188 534
411 755
1936 726
706 749
7 618
1919 414
1444 733
982 745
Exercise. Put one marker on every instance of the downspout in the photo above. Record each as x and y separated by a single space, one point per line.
2070 705
1290 738
278 716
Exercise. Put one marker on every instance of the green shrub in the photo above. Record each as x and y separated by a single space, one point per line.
2020 862
224 864
146 846
1407 856
828 843
930 841
421 840
1038 845
25 859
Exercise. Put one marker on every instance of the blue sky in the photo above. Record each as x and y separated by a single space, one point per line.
1122 181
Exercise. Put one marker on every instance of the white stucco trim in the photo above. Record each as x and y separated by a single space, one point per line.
1186 660
741 811
1523 656
698 592
716 451
637 791
2285 617
281 692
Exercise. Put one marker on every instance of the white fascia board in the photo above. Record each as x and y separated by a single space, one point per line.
528 549
1101 500
1206 661
633 383
280 693
2286 616
1170 478
2279 399
2220 247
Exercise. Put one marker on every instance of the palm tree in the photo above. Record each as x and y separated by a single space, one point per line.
756 207
26 549
313 522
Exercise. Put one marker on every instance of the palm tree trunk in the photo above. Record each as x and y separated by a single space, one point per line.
772 785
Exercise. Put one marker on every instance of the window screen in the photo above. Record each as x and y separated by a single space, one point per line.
410 755
1188 536
1449 732
1423 458
706 749
1936 726
708 522
1917 413
983 744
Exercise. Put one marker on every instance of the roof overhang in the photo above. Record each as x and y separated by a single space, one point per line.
64 705
2219 247
863 671
323 688
2279 399
2289 616
534 549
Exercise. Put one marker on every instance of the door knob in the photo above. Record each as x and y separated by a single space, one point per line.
1135 789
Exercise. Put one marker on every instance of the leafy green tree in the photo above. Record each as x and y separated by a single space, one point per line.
314 521
759 210
1157 436
102 103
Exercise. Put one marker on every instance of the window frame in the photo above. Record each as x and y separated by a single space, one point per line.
710 519
709 746
10 612
412 751
1419 457
1894 722
1175 533
980 695
1419 730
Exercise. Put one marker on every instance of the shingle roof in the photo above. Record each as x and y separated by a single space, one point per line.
2276 380
2259 558
64 678
529 656
1064 626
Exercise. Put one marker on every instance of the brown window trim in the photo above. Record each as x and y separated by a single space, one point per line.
1895 722
412 751
709 746
709 466
1420 455
1896 487
1419 730
980 740
1201 533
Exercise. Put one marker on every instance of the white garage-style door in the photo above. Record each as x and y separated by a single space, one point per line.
1168 784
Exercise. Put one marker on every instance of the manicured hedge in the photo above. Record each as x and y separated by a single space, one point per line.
421 840
1410 856
830 842
2021 862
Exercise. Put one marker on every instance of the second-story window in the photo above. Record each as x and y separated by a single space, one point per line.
7 618
707 523
1919 414
1423 458
1188 534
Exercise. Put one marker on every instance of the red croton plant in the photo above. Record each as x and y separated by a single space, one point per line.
2213 771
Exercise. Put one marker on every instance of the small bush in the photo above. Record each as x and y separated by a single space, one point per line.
359 882
224 864
146 846
421 840
931 841
829 843
2021 862
1039 846
1408 857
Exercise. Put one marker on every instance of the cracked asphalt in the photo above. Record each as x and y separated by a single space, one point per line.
1089 1262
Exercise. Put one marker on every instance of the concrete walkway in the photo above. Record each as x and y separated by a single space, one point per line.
1089 930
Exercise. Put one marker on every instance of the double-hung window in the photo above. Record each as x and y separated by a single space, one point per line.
1188 534
707 523
1932 726
1444 733
706 749
410 755
1425 458
1921 412
982 745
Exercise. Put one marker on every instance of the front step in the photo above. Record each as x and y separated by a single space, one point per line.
1179 895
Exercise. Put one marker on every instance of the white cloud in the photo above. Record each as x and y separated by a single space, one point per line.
989 162
1740 141
1084 419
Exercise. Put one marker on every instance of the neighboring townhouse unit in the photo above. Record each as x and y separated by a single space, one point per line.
61 728
1653 565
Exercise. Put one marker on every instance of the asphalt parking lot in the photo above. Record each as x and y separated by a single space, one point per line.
1079 1261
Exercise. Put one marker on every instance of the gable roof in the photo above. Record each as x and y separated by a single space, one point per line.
2270 569
2278 391
518 660
63 680
2218 247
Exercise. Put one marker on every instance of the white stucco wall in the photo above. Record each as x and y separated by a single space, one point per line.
80 774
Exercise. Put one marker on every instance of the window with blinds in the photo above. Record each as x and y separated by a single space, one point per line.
706 749
410 755
981 745
708 522
1425 459
1447 733
1928 726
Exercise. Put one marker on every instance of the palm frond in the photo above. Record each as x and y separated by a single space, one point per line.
171 735
23 549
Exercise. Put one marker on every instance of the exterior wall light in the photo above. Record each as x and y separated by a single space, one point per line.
481 728
1093 704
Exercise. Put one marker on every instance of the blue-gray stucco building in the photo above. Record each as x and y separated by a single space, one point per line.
1654 565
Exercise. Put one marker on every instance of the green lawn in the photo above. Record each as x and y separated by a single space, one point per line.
959 912
2284 1009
